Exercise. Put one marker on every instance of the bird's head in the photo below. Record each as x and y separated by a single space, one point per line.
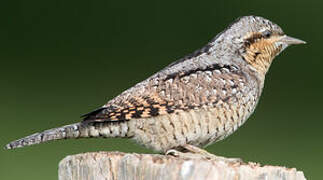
258 41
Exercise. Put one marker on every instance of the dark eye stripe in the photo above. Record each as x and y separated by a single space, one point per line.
256 36
253 38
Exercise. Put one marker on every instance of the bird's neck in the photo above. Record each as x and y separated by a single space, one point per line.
261 63
260 56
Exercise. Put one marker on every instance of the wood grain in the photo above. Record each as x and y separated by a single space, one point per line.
123 166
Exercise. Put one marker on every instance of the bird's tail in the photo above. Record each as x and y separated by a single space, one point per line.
69 131
77 130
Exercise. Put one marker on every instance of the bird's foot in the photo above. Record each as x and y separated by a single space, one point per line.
195 152
176 153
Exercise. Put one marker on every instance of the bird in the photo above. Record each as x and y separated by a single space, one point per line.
193 102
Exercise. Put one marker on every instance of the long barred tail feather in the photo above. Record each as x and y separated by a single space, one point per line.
69 131
77 130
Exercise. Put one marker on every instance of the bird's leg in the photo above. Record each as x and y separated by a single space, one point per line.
194 152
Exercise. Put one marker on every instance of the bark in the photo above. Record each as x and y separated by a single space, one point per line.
123 166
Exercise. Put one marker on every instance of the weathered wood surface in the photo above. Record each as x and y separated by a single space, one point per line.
122 166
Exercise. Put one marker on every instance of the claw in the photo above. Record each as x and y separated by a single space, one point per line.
195 152
173 152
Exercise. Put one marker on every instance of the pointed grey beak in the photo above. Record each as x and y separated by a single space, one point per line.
290 40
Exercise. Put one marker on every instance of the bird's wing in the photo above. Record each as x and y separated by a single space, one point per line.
178 91
133 107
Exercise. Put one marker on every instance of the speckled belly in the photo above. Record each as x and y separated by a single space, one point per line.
196 127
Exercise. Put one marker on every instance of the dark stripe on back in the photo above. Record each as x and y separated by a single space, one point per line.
193 71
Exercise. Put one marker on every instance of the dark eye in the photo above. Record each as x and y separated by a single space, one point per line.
266 34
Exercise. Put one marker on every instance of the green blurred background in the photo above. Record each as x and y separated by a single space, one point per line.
61 59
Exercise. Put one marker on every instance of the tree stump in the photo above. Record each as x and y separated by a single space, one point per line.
123 166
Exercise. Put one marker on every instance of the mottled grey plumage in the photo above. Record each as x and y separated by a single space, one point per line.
197 100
